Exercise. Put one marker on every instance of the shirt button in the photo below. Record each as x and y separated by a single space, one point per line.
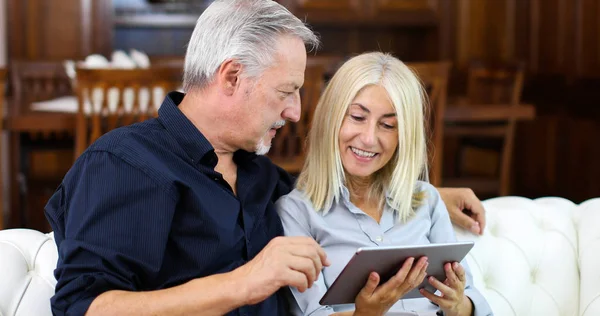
379 238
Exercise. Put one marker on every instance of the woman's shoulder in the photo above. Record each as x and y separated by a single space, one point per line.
296 200
426 187
431 194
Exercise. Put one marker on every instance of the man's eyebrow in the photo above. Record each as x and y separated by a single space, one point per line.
364 108
294 85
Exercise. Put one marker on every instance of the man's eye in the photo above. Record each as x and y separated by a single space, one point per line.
286 93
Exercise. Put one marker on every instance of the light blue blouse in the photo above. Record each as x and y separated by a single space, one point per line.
345 228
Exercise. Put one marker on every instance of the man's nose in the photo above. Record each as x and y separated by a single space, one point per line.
292 112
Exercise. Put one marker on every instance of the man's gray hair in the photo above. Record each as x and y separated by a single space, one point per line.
244 30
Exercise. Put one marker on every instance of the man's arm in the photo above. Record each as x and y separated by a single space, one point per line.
213 295
117 221
285 261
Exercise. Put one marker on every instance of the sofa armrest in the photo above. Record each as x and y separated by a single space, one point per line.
27 262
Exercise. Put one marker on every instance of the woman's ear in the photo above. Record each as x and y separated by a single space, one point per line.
228 76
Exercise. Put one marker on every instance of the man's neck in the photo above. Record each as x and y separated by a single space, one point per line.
227 167
197 108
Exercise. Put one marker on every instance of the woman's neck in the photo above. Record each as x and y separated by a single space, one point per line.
359 189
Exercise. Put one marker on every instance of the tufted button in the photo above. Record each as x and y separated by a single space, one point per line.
533 275
487 280
493 230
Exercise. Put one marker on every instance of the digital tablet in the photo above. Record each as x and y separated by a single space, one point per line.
387 261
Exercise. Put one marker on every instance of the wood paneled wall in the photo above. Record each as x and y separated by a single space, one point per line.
58 30
556 154
559 40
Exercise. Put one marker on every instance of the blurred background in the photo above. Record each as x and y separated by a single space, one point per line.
514 85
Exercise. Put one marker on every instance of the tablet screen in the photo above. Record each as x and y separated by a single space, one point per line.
387 261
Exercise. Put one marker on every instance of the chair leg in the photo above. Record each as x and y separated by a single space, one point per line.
506 162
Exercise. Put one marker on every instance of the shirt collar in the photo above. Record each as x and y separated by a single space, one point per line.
388 217
193 142
197 147
345 197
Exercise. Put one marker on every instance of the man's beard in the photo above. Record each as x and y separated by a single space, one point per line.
261 148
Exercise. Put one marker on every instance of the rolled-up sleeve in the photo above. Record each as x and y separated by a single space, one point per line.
112 223
443 232
296 222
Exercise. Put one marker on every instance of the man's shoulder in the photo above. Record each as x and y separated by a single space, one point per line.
140 137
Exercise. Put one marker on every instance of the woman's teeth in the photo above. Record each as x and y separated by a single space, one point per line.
362 153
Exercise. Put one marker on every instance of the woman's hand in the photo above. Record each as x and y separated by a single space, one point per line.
453 300
374 300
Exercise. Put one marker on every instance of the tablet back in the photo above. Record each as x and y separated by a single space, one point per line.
387 261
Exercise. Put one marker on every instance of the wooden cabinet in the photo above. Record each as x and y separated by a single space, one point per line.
370 12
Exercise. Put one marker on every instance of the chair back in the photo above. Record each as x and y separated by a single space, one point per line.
434 77
34 81
490 83
111 98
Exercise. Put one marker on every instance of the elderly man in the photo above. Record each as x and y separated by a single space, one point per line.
175 215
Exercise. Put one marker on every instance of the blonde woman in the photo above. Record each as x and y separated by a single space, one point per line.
360 187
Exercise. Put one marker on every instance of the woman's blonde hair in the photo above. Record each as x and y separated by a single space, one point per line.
323 175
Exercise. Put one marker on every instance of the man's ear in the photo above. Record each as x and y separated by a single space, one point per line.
228 76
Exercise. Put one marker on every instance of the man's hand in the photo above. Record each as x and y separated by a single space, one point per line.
285 261
464 208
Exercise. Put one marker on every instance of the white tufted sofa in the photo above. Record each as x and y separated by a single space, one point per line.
537 257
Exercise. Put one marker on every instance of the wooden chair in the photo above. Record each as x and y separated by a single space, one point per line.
33 81
110 98
434 77
490 141
288 146
2 85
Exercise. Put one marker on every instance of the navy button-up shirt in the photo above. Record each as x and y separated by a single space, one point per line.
143 209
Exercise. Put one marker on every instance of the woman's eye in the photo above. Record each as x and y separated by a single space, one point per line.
388 126
357 118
